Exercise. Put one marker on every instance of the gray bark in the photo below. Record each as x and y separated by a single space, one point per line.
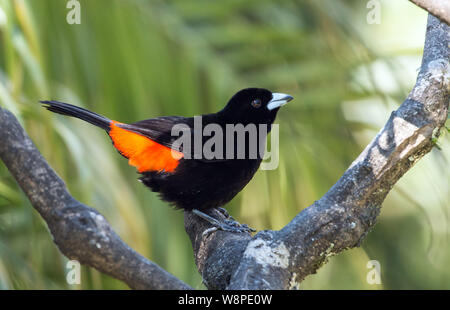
270 259
79 231
345 214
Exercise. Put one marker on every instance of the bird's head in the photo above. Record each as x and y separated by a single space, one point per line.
254 105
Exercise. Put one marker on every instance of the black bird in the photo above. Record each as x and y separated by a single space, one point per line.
183 175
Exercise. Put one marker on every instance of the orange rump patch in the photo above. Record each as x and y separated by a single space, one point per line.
142 152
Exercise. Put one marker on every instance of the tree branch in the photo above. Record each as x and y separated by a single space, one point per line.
79 231
270 259
438 8
345 214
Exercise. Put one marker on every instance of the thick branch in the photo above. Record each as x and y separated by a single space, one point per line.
271 259
438 8
346 213
79 231
218 254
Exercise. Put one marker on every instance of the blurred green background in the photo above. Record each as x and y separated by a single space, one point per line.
137 59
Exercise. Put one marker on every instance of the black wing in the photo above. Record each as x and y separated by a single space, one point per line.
159 129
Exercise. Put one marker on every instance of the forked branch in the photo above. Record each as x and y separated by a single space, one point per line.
270 259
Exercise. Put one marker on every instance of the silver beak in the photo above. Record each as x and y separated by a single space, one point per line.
278 100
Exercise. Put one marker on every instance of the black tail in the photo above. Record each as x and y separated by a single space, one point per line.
71 110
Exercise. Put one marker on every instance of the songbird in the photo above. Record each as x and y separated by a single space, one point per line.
181 174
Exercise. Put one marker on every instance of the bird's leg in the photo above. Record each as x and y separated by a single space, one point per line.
206 217
229 224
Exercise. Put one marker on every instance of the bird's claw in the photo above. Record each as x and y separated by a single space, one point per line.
224 212
228 225
236 225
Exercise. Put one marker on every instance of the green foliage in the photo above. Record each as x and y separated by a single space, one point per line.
138 59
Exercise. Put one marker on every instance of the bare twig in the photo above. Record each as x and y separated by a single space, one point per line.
80 232
438 8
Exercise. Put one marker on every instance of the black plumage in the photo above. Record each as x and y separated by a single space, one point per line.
195 183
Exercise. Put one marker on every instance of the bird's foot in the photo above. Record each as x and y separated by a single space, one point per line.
225 213
229 224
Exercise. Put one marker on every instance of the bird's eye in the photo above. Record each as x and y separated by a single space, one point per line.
256 103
